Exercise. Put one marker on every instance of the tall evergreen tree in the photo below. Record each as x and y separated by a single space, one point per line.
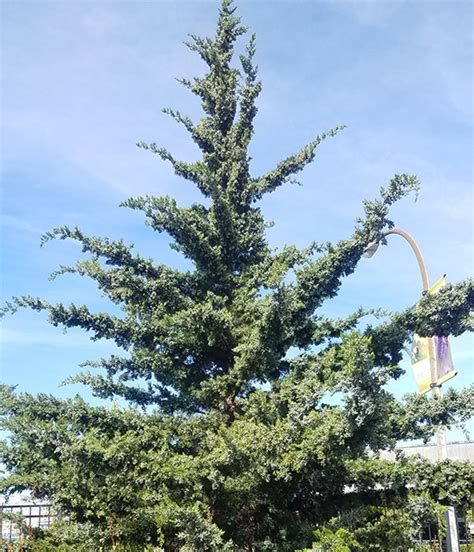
236 449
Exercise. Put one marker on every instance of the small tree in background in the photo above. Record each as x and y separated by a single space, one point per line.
236 448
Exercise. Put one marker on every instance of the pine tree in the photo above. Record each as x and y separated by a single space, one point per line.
235 448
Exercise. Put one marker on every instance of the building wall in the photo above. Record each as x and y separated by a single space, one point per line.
456 451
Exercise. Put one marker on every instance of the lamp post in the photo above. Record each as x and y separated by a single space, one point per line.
453 541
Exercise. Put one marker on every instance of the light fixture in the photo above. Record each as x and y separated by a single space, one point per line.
371 249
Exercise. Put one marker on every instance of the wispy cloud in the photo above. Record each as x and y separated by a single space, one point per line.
89 103
20 224
368 12
52 338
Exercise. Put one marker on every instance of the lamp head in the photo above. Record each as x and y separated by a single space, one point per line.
371 249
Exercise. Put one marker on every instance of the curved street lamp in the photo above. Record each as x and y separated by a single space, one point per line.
370 250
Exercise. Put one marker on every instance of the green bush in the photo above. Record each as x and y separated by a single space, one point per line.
332 541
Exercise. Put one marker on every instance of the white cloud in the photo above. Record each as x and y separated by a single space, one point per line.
20 224
445 54
53 338
373 13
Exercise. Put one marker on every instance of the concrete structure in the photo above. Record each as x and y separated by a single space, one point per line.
456 451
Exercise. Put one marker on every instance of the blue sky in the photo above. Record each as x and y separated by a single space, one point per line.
84 81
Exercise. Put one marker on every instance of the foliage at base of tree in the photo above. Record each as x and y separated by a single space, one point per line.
200 483
230 442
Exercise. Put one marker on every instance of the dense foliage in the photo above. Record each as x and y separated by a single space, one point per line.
235 446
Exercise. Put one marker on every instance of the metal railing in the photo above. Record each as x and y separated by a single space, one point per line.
33 516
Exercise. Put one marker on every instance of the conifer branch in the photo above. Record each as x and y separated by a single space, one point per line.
115 252
105 387
103 325
195 172
176 115
189 227
167 289
417 416
448 312
321 279
291 165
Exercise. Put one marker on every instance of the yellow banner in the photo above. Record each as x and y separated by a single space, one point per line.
438 348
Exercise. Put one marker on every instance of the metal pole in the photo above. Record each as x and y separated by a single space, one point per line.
453 540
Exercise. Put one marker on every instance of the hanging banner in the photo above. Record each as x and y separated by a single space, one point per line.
444 360
436 347
420 362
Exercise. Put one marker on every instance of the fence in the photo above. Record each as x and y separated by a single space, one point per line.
35 516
